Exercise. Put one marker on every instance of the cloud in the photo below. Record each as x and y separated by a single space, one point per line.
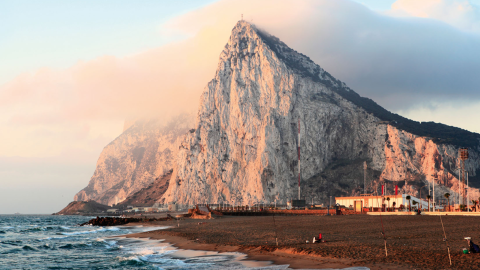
401 62
462 14
462 115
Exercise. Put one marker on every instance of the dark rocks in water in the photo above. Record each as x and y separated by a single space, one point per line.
110 221
115 221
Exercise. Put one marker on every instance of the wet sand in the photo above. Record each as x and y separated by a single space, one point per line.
413 242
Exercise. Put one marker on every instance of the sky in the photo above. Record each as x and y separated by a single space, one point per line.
73 71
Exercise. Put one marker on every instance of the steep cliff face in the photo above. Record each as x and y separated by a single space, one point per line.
408 156
143 152
147 196
244 146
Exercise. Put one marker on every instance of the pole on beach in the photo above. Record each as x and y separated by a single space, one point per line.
383 229
275 226
445 239
384 237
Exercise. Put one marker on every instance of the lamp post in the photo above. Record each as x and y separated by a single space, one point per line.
459 180
364 177
468 197
434 177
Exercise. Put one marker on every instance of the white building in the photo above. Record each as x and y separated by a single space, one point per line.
370 201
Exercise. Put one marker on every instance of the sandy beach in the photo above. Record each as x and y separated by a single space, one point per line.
413 242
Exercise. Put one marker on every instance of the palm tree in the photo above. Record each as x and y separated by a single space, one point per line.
447 196
409 205
429 198
388 202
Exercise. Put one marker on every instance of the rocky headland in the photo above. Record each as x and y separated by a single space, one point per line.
243 145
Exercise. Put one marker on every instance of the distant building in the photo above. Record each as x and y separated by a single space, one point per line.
375 203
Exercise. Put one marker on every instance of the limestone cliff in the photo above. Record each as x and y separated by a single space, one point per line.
142 153
244 145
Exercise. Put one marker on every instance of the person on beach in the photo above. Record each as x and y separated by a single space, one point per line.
473 248
319 240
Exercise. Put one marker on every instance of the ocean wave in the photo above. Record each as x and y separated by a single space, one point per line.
2 232
74 246
47 246
131 261
108 244
101 229
111 244
28 248
164 261
67 246
209 259
8 227
35 229
51 238
142 251
112 229
13 250
77 233
12 242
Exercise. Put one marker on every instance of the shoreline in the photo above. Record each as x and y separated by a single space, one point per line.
413 242
276 256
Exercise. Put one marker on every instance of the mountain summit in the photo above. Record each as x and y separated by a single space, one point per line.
243 148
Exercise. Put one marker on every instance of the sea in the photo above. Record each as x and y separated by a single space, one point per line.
58 242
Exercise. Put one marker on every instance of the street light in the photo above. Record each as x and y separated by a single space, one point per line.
468 197
433 183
